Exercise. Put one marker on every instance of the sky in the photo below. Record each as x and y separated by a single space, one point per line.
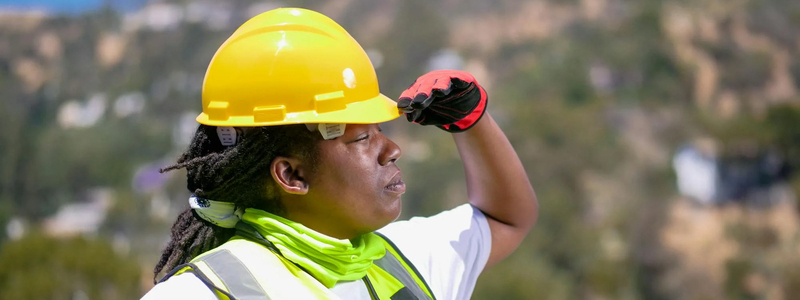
67 6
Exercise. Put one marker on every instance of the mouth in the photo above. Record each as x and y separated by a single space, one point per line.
396 185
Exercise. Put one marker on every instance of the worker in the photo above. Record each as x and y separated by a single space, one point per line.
295 189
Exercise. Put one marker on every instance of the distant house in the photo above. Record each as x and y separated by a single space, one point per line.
750 176
697 174
155 16
162 16
82 217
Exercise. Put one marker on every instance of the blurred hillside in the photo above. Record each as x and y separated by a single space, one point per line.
597 96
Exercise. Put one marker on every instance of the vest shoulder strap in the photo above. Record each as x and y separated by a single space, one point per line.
194 269
397 265
264 276
268 277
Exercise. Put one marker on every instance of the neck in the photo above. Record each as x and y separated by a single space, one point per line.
300 210
323 225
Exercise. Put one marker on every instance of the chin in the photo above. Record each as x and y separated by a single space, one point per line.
396 214
395 209
385 217
393 214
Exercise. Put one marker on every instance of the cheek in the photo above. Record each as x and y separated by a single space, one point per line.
349 174
347 178
359 180
354 167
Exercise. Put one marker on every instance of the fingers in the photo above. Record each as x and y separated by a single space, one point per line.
442 85
431 86
428 87
409 92
425 85
414 116
412 108
419 95
414 98
404 104
422 92
422 100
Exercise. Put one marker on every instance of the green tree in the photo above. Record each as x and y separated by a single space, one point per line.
41 267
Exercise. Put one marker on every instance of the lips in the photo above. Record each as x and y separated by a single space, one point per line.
396 185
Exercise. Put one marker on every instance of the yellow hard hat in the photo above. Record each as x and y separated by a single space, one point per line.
291 66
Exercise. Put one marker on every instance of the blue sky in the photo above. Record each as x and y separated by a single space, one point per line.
68 6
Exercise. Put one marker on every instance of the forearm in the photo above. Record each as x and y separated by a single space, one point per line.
496 181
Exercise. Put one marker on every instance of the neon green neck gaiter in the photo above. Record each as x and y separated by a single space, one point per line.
328 259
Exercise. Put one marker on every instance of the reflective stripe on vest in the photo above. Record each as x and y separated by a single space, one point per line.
412 275
235 275
391 265
226 269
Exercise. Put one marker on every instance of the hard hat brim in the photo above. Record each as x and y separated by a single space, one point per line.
375 110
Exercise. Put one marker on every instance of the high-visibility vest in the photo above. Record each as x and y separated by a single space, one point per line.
250 267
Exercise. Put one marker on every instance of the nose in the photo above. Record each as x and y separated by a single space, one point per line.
390 152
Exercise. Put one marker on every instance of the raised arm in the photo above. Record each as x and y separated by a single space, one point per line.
496 181
497 185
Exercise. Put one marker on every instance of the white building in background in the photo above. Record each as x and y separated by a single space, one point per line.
446 59
156 16
697 174
82 217
215 15
16 228
601 77
74 113
129 103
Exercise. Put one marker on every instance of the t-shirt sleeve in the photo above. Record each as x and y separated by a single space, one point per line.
182 286
449 249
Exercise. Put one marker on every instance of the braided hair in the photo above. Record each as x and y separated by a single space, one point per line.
239 174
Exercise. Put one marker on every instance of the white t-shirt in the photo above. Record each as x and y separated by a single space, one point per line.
449 249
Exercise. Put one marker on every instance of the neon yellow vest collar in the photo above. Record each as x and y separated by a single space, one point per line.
328 259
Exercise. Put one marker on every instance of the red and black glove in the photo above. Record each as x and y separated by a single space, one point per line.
450 100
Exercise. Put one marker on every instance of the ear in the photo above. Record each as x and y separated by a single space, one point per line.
289 174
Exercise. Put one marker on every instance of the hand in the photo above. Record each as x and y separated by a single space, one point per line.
450 100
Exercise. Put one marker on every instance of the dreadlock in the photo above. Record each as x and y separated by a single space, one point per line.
238 174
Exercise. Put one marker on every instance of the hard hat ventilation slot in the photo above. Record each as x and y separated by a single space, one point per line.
329 102
218 110
266 114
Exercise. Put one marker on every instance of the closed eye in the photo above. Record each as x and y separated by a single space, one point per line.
362 138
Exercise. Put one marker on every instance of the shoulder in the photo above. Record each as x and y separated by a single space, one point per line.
182 286
450 223
187 285
450 249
